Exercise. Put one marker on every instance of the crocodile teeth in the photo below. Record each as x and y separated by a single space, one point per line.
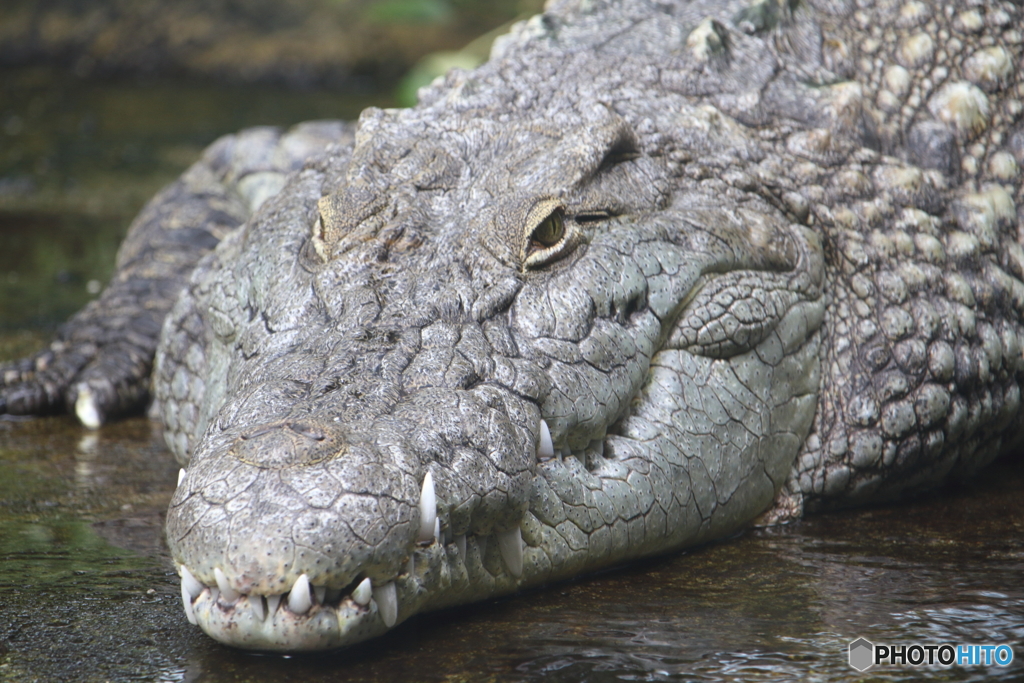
256 603
299 600
363 592
428 509
387 603
186 599
511 545
181 476
272 602
320 592
545 449
189 583
437 531
460 543
229 593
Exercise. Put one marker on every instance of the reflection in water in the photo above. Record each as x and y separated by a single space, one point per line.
85 456
89 592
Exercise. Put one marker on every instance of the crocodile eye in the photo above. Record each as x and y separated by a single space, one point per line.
551 236
549 233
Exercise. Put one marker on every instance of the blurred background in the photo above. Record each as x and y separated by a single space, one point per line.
102 102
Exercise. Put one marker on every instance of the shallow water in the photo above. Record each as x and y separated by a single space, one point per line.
87 591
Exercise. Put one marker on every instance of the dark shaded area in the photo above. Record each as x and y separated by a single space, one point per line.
41 284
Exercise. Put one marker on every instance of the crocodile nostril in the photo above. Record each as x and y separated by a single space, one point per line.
307 430
259 431
287 444
301 428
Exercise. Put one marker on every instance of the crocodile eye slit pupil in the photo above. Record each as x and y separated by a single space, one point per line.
549 233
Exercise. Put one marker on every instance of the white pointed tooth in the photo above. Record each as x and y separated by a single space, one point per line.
428 509
186 600
363 592
229 593
256 604
189 582
545 447
437 531
386 598
181 476
272 602
511 545
320 592
460 543
299 600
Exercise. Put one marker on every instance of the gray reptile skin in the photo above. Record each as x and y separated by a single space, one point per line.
739 262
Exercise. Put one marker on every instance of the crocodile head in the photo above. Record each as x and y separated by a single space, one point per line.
516 333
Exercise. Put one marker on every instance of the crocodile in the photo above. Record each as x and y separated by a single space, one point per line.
658 270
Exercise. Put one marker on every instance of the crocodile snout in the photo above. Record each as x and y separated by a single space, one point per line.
322 529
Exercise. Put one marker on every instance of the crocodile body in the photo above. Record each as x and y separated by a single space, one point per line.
656 270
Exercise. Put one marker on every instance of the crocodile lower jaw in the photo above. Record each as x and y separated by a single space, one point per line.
257 622
310 617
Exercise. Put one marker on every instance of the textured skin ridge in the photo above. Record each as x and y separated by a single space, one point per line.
739 261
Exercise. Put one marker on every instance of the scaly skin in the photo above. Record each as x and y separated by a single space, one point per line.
653 271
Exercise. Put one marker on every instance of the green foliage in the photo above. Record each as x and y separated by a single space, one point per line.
409 12
429 68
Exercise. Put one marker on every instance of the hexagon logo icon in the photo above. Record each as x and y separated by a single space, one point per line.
862 654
